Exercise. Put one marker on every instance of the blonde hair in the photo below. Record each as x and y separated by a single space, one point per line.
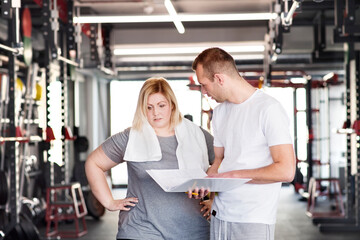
151 86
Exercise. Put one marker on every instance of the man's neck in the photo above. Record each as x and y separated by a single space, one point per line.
240 92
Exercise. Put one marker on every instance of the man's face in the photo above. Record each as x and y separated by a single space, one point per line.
208 87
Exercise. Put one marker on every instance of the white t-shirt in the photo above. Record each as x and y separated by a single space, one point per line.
246 131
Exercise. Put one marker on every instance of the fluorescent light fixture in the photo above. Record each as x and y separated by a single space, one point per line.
175 18
328 76
194 48
181 17
298 80
182 58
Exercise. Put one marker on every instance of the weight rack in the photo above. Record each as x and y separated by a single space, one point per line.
352 183
10 11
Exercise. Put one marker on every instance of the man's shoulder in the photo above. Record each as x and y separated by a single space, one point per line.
222 106
266 99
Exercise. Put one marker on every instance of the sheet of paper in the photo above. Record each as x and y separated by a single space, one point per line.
176 180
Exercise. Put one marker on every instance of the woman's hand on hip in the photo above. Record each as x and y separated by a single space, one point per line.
122 204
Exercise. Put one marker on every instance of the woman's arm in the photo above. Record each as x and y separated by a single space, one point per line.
96 165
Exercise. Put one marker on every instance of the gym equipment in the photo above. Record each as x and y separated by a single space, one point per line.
79 174
298 181
67 133
38 94
25 230
55 210
49 134
354 130
3 112
27 27
21 139
20 86
94 207
34 209
81 144
3 188
316 190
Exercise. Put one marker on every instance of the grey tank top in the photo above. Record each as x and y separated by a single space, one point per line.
158 214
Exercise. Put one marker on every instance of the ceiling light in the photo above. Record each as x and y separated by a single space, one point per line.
298 80
175 18
193 48
328 76
186 58
181 17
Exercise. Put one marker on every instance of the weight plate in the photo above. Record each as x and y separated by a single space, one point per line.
79 174
27 28
94 207
16 233
26 22
29 229
38 94
81 144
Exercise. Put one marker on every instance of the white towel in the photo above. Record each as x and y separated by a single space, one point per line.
191 152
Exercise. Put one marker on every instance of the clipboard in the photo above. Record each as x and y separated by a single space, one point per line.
176 180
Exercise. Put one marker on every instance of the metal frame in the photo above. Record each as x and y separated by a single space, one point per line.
11 149
64 107
352 185
50 53
345 32
93 44
108 56
310 129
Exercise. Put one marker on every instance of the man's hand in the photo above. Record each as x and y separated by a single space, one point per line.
213 170
206 209
229 174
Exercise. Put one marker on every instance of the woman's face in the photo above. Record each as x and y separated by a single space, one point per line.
158 111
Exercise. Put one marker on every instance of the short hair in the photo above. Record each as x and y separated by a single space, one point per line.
215 60
151 86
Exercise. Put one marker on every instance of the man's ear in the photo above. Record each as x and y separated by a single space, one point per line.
219 78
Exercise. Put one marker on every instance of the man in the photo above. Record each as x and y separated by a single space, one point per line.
251 140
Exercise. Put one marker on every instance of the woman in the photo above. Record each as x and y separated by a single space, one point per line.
160 138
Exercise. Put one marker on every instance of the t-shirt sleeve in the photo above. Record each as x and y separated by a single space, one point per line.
114 147
276 126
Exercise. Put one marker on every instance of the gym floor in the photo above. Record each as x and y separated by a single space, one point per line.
292 222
